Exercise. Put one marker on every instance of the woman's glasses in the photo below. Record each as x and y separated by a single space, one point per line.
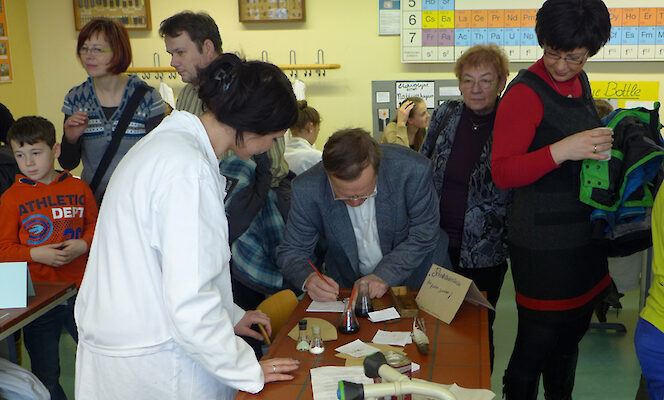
94 51
573 59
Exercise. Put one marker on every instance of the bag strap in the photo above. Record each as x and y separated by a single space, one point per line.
451 108
118 134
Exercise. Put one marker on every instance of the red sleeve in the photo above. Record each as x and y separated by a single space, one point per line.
519 114
11 248
90 217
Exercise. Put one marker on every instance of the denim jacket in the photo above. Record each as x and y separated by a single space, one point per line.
483 242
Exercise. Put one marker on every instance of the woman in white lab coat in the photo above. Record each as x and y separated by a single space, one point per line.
300 152
155 311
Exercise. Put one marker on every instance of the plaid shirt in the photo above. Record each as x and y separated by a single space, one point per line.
254 260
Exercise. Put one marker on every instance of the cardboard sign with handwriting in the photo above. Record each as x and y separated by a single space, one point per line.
443 291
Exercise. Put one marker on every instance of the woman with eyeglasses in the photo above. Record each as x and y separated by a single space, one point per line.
472 208
545 126
94 108
410 126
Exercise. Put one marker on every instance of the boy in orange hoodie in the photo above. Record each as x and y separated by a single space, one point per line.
48 219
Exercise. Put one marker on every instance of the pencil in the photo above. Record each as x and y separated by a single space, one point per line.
318 272
267 338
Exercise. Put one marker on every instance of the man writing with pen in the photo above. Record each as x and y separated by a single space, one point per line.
375 207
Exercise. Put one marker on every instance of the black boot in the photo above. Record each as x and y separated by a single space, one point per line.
559 377
519 387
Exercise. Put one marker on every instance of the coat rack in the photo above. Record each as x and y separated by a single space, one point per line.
320 67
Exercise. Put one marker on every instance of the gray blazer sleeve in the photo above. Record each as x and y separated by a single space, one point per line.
414 249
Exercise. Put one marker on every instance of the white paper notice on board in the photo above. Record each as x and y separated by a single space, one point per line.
382 97
449 91
422 89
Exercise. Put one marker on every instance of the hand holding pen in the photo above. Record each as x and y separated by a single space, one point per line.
320 287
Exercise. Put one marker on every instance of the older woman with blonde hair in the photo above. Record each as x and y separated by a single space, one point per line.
459 139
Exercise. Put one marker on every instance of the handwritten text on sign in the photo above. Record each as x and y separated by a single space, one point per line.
423 90
625 90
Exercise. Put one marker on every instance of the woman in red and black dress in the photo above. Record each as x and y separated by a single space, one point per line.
545 127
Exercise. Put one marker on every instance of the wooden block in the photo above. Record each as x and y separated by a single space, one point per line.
404 301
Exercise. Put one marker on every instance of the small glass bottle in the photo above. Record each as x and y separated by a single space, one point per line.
363 305
302 337
317 343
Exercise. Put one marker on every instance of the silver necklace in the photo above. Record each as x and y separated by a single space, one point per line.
477 125
556 86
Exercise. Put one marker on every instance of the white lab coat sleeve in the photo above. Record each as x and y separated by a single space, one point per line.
192 237
238 314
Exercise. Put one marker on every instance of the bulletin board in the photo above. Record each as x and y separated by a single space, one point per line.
439 31
133 14
273 10
387 95
5 60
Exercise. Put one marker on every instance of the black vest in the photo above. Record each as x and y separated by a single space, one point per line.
547 213
553 256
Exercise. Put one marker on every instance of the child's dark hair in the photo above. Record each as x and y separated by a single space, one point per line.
30 130
305 114
249 96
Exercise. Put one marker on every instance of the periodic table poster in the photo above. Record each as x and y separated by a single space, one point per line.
439 31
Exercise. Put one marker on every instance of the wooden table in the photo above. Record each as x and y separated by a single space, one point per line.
47 296
458 353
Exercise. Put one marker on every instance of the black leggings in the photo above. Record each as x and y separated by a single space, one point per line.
548 349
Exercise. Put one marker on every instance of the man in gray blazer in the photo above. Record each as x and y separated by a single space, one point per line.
380 227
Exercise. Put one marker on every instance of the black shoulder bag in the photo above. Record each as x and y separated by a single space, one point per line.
118 133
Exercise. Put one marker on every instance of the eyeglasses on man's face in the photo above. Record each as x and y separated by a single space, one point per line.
572 59
356 198
94 51
468 83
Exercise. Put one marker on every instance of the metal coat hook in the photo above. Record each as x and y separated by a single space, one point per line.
157 63
320 59
264 57
292 60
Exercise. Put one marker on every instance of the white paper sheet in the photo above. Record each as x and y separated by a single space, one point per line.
392 338
329 306
384 315
357 349
325 380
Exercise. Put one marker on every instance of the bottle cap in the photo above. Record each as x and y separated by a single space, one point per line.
303 324
315 329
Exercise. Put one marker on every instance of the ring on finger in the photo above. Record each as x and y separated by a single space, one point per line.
595 150
274 368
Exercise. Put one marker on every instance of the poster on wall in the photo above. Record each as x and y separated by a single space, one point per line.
5 62
439 31
626 94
